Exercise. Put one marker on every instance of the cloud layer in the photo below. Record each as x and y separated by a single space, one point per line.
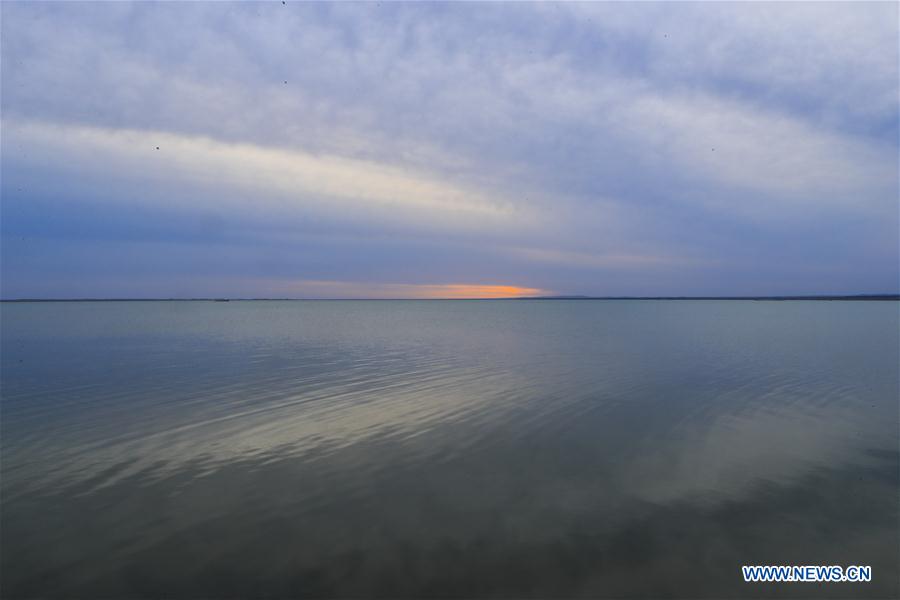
238 149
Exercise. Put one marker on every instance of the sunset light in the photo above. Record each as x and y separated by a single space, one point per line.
357 300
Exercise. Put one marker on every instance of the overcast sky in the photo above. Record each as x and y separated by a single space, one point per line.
448 150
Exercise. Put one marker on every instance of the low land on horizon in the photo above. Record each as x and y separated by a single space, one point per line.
878 297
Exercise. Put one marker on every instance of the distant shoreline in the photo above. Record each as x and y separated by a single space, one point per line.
858 297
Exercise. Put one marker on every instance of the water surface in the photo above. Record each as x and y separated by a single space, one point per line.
455 449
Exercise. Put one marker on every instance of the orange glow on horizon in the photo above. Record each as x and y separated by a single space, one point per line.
399 291
465 291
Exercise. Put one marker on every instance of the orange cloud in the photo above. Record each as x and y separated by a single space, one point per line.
462 290
347 289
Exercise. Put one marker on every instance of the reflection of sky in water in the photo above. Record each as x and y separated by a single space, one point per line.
462 448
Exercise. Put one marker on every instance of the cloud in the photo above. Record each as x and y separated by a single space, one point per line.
285 179
829 63
345 289
786 160
583 260
670 148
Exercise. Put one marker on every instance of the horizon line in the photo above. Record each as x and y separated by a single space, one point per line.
876 296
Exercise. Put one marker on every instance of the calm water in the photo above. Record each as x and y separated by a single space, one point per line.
456 449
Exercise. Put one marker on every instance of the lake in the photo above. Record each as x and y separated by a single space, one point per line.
499 448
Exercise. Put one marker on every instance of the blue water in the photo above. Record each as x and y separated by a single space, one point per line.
446 448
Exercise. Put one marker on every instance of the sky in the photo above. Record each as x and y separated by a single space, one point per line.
395 150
